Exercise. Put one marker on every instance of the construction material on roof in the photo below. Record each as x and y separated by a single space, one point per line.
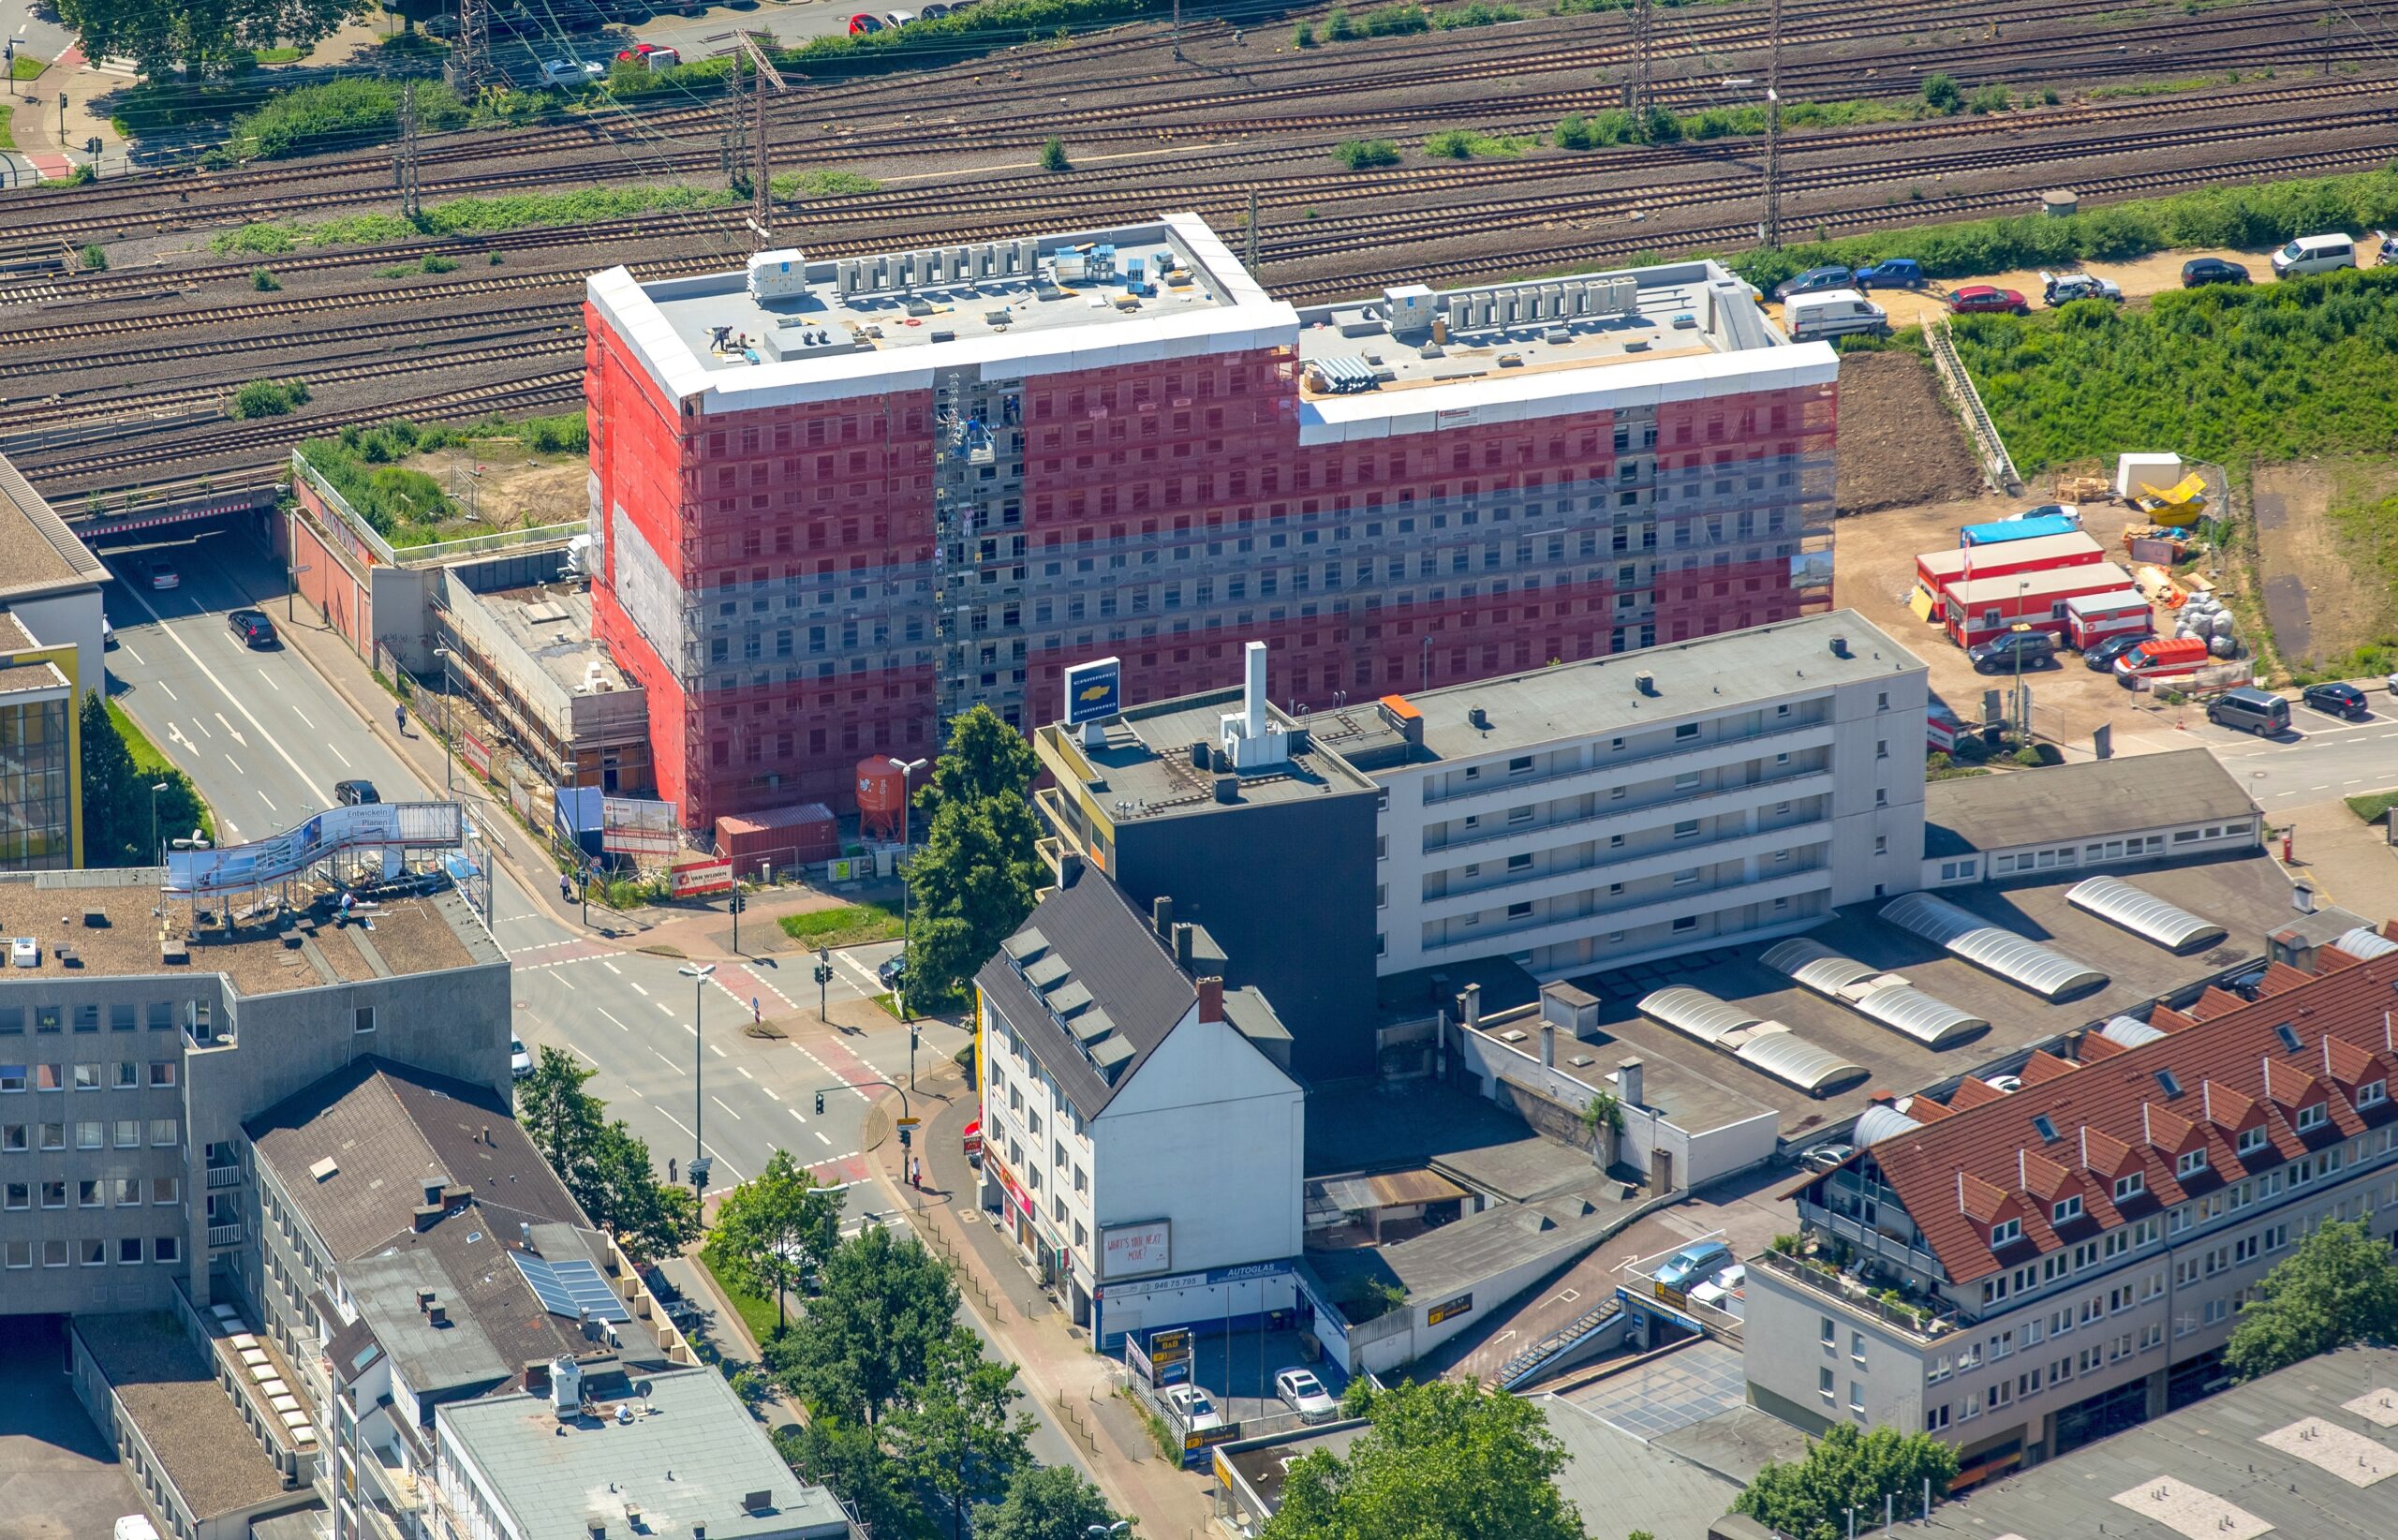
1767 1046
2144 914
1887 997
2017 959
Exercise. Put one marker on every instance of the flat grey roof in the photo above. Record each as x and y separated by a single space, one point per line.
2081 800
1707 676
690 1454
1692 1100
1144 770
432 1359
1267 1466
1463 1252
2248 896
1674 309
890 318
171 1392
2223 1447
1608 1472
553 623
37 552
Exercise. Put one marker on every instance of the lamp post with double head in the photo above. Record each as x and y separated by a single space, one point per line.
698 975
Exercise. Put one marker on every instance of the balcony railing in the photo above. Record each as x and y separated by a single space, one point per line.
1790 787
1502 783
224 1175
1897 1253
1824 1281
225 1234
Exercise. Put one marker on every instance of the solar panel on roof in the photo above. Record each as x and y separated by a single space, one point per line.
2019 960
2144 914
568 1287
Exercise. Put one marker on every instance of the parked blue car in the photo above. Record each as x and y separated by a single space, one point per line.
1898 273
1693 1262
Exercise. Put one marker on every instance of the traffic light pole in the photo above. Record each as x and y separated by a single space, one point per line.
824 989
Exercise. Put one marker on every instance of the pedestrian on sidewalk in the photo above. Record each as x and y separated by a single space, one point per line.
670 1170
916 1173
400 719
566 888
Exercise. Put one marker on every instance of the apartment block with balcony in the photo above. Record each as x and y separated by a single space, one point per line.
1596 814
132 1050
2019 1273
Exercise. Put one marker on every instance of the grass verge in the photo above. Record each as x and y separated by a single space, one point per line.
7 134
469 216
850 925
154 764
756 1314
2374 806
24 67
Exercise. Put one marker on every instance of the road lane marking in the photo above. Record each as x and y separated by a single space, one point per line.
620 1026
271 684
564 980
270 803
745 1071
661 1004
801 1116
234 731
719 1101
668 1116
273 741
613 969
572 1049
772 1094
819 1134
203 728
637 988
169 688
127 648
668 1062
303 719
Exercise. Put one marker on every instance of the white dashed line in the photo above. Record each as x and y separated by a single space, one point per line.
796 1113
719 1052
637 988
620 1026
719 1101
745 1071
169 690
612 969
772 1094
828 1144
668 1062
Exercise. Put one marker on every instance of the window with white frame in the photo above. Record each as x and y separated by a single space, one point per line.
2190 1163
2066 1211
2130 1185
2252 1140
2006 1232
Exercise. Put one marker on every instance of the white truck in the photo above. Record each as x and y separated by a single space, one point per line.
1833 313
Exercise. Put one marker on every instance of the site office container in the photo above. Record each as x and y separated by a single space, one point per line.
1937 570
2023 526
1974 612
2090 621
2162 658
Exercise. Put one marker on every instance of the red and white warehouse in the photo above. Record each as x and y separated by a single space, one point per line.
839 502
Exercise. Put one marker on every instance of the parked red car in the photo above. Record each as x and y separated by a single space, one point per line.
862 23
1986 299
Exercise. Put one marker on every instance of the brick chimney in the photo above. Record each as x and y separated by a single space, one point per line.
1211 998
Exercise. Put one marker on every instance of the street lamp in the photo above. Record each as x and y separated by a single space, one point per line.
906 769
448 784
154 820
698 975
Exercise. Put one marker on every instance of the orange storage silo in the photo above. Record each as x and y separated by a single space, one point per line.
882 796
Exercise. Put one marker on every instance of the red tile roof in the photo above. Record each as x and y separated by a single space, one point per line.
2113 1114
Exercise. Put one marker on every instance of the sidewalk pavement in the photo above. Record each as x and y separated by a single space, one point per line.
2349 862
35 122
1053 1357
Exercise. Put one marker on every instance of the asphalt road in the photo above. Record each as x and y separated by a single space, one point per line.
2320 759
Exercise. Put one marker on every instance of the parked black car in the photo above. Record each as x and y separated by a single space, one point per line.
2001 654
355 793
2337 699
2201 270
2101 656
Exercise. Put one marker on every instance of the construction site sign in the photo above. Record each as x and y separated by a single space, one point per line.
476 753
637 826
702 878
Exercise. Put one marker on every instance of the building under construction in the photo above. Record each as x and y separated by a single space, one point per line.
839 502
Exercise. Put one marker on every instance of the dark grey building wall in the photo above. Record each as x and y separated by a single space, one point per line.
1287 890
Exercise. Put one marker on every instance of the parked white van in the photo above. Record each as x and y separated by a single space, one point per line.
1833 313
2314 253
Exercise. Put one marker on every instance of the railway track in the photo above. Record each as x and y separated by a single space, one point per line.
1452 59
1124 196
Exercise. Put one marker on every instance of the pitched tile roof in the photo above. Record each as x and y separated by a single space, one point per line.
386 1127
2113 1115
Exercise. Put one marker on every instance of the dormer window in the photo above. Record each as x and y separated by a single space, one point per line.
2191 1162
2131 1186
2068 1211
2252 1140
2373 1094
2006 1232
2311 1117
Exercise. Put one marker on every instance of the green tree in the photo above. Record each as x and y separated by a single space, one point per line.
847 1457
863 1346
773 1233
561 1119
984 758
119 827
2338 1287
620 1190
973 885
1440 1461
204 36
1810 1499
1053 156
1940 94
957 1441
1043 1503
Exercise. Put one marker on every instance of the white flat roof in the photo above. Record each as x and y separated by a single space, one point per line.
2016 554
2095 577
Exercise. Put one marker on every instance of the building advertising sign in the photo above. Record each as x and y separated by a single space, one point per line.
1132 1251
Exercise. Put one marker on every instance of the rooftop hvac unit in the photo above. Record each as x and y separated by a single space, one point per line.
845 276
777 274
1027 258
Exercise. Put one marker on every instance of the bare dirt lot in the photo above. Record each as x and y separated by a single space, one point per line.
2321 601
1873 559
1899 443
506 485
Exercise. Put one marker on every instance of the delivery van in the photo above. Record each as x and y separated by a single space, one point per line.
1836 313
